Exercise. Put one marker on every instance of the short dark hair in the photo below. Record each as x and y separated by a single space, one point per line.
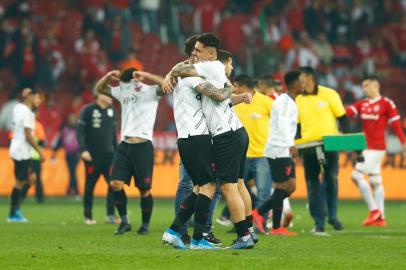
308 71
266 79
244 80
223 56
291 77
371 78
127 74
209 40
190 44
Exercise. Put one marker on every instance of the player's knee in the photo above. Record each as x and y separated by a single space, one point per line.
375 180
291 186
208 189
32 178
19 184
116 185
357 177
145 192
228 188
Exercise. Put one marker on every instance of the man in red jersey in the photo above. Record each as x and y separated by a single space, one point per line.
376 112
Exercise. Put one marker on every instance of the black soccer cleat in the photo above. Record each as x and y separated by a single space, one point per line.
212 239
337 225
143 230
123 228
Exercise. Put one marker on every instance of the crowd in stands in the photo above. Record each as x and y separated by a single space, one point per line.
61 47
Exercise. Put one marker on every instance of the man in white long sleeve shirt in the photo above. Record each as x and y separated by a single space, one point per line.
281 152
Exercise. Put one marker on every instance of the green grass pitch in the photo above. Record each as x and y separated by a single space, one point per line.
57 238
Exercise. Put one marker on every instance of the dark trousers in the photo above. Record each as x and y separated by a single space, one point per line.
313 177
100 165
72 160
39 191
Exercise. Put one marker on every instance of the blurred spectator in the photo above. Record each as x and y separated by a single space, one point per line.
150 14
69 142
313 19
118 39
39 137
302 54
295 18
50 115
87 45
323 49
6 113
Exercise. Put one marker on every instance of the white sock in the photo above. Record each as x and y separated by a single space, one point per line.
365 190
286 206
379 192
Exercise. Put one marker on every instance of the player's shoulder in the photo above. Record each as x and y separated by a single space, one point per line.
388 101
324 90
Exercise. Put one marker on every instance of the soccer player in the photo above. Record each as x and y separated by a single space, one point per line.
134 156
281 152
319 110
375 112
97 138
21 148
230 140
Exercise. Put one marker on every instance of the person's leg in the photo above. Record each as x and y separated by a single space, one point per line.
185 189
22 175
331 175
106 170
213 206
312 173
379 192
39 191
71 161
263 182
15 197
92 171
202 209
146 204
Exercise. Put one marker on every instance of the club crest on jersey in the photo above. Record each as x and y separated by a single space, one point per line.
376 108
321 104
137 88
110 112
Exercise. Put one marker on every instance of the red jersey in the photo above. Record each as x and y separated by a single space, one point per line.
375 116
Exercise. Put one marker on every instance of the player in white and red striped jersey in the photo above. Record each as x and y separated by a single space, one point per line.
376 113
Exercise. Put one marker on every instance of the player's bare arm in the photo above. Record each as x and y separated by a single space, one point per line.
31 141
103 87
219 94
186 70
170 81
241 98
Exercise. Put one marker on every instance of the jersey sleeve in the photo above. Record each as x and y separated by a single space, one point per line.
394 120
28 119
336 105
81 129
354 109
150 91
116 92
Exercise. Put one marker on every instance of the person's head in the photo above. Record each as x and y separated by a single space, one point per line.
243 84
71 120
371 87
226 58
207 47
104 100
31 98
127 74
307 78
190 43
293 83
265 84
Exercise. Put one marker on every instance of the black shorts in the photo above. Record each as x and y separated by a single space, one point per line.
196 154
134 160
22 169
282 169
230 149
100 164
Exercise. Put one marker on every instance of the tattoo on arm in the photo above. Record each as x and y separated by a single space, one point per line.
209 90
184 71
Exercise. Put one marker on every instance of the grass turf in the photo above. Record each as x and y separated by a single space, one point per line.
57 238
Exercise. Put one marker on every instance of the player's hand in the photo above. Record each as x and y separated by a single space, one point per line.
169 84
114 75
140 75
86 156
247 98
293 153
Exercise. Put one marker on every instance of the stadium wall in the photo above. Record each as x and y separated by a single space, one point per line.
55 178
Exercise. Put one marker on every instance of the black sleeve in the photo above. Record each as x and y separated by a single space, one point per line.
344 123
81 129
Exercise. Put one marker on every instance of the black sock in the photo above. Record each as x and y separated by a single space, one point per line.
110 202
202 208
226 212
146 207
15 200
88 203
265 207
120 201
277 201
249 221
24 191
242 228
186 210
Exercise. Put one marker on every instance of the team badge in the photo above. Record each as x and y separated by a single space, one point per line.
376 108
110 112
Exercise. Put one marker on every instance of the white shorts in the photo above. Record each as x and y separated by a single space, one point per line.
372 163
